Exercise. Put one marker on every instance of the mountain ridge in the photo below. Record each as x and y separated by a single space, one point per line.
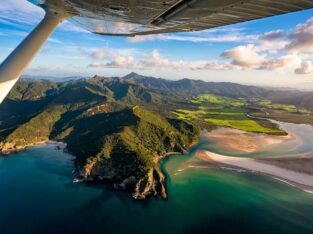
118 128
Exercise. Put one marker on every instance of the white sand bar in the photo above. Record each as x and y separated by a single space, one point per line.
257 166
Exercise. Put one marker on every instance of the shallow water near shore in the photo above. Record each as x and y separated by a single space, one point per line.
37 196
300 142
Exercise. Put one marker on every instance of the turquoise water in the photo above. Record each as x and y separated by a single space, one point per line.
300 143
37 196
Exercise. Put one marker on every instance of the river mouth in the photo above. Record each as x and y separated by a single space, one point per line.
288 159
37 195
232 142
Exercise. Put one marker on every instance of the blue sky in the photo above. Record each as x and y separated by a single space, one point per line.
275 51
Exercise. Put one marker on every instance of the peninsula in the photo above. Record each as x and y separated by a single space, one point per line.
118 128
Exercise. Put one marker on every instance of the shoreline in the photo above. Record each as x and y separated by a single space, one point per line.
234 141
301 180
60 144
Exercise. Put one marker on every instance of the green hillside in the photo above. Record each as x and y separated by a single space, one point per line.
113 138
118 128
226 112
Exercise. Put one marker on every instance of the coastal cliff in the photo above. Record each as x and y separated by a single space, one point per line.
112 143
129 156
118 129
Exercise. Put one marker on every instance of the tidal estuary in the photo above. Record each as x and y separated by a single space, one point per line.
37 195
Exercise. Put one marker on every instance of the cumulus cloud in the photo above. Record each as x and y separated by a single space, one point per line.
270 51
97 65
154 59
241 58
271 41
122 61
293 50
306 67
211 65
280 63
301 39
244 56
119 61
147 60
107 54
273 35
273 50
248 57
98 54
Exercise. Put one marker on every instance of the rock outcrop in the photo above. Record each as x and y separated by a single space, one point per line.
153 183
116 130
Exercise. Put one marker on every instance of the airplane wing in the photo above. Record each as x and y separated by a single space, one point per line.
137 17
142 17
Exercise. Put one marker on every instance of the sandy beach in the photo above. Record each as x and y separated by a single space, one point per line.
293 165
237 141
278 168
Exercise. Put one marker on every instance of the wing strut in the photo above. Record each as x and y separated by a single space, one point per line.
13 66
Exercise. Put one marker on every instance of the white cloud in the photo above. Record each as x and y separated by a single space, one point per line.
154 59
273 50
38 69
211 65
22 12
280 63
241 58
203 36
67 25
122 61
293 49
271 41
98 54
273 35
54 40
231 37
136 39
301 39
17 33
119 61
21 5
8 22
97 65
306 67
244 56
106 53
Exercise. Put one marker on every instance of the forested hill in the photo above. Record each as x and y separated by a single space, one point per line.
194 87
189 87
119 127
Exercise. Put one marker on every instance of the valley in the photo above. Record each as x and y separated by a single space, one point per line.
118 128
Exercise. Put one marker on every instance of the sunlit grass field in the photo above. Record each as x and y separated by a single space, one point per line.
285 107
224 112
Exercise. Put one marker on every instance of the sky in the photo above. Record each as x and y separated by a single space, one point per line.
275 51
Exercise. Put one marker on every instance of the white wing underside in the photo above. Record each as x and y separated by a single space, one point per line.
142 17
137 17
